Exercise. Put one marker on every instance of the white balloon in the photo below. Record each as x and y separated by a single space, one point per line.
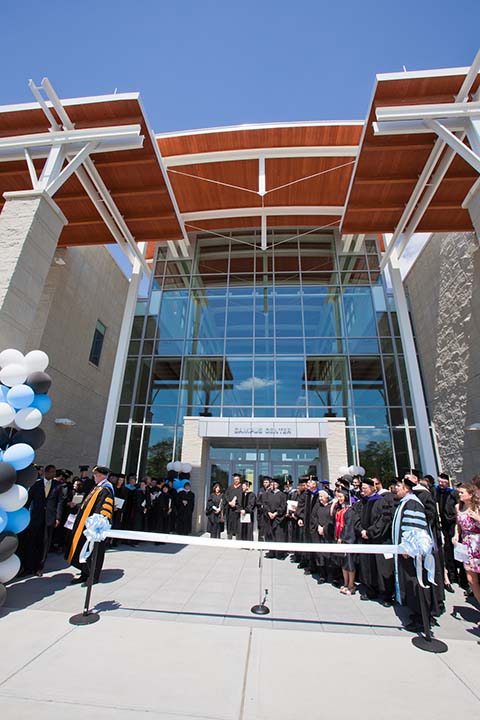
343 470
177 466
170 466
7 414
13 499
28 418
9 356
361 470
352 470
13 374
186 467
9 568
36 361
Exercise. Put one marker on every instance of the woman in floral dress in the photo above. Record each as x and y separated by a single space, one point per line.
468 533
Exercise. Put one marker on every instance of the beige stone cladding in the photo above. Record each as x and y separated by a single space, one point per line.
83 285
444 293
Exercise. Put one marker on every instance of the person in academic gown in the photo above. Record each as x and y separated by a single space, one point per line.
233 500
410 523
321 528
447 500
163 510
45 503
275 504
306 503
247 508
214 511
185 505
99 501
261 522
373 522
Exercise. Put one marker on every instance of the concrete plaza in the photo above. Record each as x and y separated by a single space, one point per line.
176 641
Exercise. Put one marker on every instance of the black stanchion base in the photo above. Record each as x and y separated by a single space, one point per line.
432 646
260 610
84 618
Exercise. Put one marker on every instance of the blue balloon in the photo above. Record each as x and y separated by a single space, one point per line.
18 520
42 403
19 456
3 393
179 484
20 396
3 519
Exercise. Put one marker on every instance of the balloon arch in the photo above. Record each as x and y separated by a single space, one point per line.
23 402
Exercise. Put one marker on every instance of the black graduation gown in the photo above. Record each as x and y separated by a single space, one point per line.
428 501
141 504
410 515
98 501
374 515
447 500
215 519
128 510
321 515
275 502
261 513
232 514
185 505
247 504
163 512
34 541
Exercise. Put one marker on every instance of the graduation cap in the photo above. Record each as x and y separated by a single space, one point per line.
368 481
101 470
409 481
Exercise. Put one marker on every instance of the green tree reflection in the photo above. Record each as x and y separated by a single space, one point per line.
377 459
158 456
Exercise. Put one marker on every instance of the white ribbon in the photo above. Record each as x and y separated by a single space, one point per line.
96 529
418 544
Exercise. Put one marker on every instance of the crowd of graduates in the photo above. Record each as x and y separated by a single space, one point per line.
360 510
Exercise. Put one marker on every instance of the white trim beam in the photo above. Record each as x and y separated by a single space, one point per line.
57 182
255 154
270 211
455 143
69 137
413 127
453 110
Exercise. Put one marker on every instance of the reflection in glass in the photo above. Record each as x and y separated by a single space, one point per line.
321 311
207 314
157 450
327 382
238 387
359 313
367 381
375 451
128 381
288 312
202 382
290 381
264 317
240 313
264 382
173 314
118 450
165 381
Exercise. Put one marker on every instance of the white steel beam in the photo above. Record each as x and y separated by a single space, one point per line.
455 143
453 110
413 127
262 187
255 153
57 182
270 211
74 136
263 243
116 383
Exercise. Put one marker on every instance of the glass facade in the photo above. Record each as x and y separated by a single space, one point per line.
300 330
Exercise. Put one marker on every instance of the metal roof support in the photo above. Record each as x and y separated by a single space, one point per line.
91 179
255 154
257 211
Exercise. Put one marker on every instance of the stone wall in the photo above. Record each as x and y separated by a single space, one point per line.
444 292
83 285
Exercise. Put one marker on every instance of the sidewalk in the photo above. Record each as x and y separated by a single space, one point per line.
176 639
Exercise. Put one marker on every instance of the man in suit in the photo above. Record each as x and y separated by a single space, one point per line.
45 502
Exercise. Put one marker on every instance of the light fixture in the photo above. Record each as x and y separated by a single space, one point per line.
473 426
65 421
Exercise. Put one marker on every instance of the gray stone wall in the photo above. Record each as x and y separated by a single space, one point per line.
89 286
444 292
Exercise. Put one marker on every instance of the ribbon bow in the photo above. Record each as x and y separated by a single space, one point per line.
96 529
419 545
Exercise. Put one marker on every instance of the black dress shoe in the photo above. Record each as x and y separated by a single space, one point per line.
78 580
307 571
385 603
449 589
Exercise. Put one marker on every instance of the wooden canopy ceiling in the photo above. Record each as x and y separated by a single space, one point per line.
388 167
134 177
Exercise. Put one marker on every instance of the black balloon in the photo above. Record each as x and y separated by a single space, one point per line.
35 438
8 476
8 545
4 438
39 382
3 594
27 477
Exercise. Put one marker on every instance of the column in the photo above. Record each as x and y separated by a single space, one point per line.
30 226
427 455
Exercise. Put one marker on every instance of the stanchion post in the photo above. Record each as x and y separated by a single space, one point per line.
261 608
87 617
427 642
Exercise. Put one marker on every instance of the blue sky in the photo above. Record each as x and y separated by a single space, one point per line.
202 63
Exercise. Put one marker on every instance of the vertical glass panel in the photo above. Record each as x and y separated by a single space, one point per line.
264 312
220 473
128 381
202 382
376 416
240 313
264 346
118 450
323 346
375 451
157 450
401 450
403 375
238 383
289 346
207 313
264 382
288 311
290 381
239 347
359 313
161 415
362 346
367 381
327 383
143 377
173 314
134 449
321 312
204 346
391 380
165 381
